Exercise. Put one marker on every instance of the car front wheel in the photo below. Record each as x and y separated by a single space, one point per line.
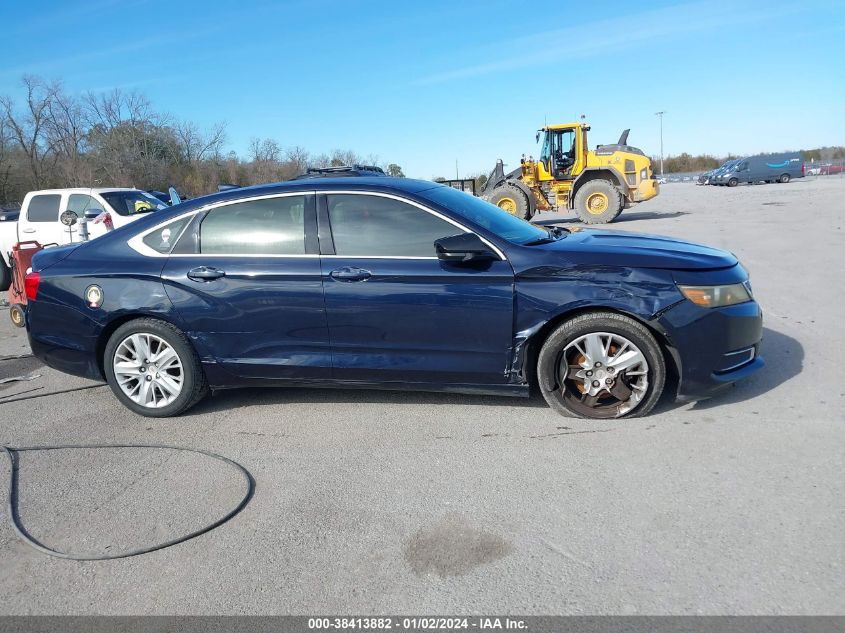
601 365
152 368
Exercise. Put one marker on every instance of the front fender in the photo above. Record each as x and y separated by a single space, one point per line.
547 296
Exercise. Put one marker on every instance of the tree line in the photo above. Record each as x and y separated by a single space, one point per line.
53 139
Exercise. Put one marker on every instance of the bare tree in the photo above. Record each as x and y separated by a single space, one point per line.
6 162
29 128
196 145
134 144
118 138
394 170
67 132
266 161
298 158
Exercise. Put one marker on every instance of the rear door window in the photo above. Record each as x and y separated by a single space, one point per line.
272 226
44 208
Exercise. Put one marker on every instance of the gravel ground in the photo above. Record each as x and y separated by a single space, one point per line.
379 502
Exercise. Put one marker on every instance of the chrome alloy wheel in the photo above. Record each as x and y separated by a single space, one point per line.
148 370
603 375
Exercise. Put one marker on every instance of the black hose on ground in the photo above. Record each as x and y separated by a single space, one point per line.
15 356
11 505
12 397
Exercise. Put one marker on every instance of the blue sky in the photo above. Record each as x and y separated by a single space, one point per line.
425 83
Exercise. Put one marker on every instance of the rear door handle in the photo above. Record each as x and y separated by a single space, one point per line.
206 273
28 230
350 273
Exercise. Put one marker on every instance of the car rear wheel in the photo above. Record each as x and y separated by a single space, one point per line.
153 369
601 365
733 182
784 178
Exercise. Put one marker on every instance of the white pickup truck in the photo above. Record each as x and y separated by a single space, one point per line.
40 214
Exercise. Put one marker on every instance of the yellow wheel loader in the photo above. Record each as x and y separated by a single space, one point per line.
596 184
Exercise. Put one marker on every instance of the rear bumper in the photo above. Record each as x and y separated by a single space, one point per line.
713 348
646 190
65 339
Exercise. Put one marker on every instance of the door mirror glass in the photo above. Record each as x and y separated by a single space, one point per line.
466 248
68 218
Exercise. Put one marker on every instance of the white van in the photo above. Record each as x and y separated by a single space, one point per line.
40 213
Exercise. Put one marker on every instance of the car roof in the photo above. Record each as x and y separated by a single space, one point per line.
345 183
84 190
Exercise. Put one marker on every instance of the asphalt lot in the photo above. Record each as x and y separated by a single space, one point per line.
381 502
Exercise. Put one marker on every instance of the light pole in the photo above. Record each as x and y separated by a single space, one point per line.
660 114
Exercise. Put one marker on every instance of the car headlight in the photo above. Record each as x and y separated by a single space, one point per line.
717 296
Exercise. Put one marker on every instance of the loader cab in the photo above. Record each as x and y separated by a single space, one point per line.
561 151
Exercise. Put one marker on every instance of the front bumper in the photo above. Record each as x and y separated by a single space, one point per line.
713 348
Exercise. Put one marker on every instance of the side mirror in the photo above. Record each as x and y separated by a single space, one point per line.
466 248
90 214
68 218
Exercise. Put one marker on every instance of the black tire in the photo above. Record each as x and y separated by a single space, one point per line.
5 276
567 401
610 202
511 200
195 385
784 178
733 182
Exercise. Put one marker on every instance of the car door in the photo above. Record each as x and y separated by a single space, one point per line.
396 313
245 279
40 221
88 207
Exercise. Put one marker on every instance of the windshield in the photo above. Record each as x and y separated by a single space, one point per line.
133 202
485 215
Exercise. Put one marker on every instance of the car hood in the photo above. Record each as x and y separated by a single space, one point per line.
639 250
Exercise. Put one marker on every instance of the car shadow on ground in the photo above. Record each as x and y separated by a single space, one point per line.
624 217
232 398
784 358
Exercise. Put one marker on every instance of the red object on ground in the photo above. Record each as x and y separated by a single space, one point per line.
21 261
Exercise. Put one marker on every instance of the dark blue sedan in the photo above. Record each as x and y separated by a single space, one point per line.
390 283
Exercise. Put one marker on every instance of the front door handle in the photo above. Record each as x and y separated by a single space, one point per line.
28 230
350 273
206 273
